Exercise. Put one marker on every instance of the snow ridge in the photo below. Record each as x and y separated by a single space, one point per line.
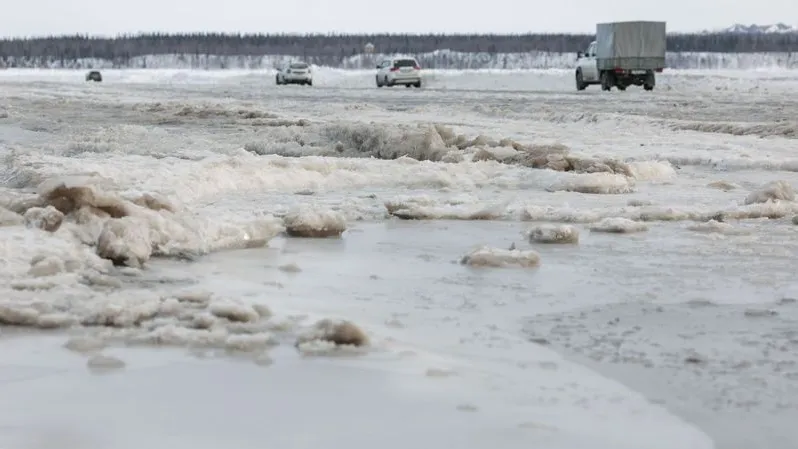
440 59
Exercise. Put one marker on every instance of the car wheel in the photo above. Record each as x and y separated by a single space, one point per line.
277 80
377 79
580 81
418 84
387 83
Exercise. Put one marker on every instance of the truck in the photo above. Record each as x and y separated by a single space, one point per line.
623 54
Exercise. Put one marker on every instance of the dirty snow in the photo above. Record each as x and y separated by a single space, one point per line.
548 233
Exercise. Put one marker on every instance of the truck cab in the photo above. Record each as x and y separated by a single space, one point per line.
587 67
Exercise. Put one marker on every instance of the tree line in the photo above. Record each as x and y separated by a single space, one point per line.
335 47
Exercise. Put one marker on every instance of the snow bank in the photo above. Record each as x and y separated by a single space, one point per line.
651 170
486 256
313 221
125 241
422 142
553 234
619 225
438 143
595 183
10 218
200 176
722 185
376 140
44 266
179 317
46 218
57 265
741 129
773 191
425 208
716 227
441 59
558 157
778 209
192 177
327 336
130 230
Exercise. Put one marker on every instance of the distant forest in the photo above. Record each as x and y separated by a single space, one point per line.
334 47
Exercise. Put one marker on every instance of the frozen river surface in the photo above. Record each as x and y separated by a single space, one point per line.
649 301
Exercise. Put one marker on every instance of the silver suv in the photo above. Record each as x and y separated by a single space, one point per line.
294 73
406 71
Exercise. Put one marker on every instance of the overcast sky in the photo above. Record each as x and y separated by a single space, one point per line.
110 17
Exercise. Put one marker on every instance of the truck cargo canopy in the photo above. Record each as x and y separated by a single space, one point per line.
640 39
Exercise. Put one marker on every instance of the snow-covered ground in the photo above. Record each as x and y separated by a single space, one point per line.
521 265
440 59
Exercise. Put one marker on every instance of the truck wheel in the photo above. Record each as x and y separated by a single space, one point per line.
580 82
606 81
621 88
650 81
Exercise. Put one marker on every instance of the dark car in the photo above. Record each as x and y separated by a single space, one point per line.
95 76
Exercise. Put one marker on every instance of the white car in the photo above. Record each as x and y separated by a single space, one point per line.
587 72
406 71
294 73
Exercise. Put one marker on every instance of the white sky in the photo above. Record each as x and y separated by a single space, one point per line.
110 17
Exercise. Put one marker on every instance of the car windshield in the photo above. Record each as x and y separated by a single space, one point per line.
404 63
299 65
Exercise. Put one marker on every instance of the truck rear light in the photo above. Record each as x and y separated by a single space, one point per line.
618 70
